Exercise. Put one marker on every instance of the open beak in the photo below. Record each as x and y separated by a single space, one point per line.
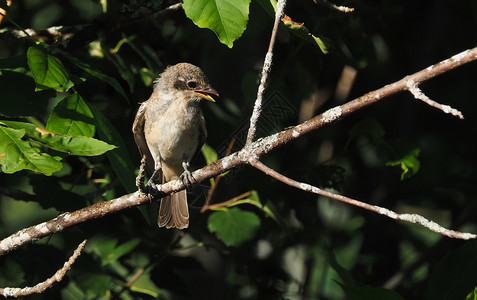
206 94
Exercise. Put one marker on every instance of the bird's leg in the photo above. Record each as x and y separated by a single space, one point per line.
140 176
186 176
151 186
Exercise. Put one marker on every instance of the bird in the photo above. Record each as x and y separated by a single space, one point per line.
169 130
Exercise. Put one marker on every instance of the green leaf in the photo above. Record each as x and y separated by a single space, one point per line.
47 70
301 31
343 273
401 154
233 226
270 6
79 145
119 158
145 285
472 295
455 275
370 293
17 155
209 153
227 18
94 284
18 95
108 250
124 69
72 116
96 73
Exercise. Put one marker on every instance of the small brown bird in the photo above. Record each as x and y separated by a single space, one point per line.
169 129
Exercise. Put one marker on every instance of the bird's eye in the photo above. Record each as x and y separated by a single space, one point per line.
192 84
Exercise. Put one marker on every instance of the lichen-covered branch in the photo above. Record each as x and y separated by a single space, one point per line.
267 66
42 286
412 218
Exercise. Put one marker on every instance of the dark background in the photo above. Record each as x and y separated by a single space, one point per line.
382 40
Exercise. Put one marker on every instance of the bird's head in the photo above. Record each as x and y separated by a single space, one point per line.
188 79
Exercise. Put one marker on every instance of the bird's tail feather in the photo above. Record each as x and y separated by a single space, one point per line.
174 211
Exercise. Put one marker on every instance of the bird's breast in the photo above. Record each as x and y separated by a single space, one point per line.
176 133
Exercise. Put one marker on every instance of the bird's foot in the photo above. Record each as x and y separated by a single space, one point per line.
187 178
151 189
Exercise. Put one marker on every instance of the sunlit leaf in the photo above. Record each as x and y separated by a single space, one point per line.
209 153
233 226
17 154
47 70
403 155
227 18
301 31
73 145
73 117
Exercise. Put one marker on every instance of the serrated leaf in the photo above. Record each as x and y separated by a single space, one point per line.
17 155
19 98
47 70
233 226
301 31
227 18
455 275
73 145
72 116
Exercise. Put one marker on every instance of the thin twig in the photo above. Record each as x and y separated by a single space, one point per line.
225 203
418 94
42 286
330 5
412 218
267 66
216 180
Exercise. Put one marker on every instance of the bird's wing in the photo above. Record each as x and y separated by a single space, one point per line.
140 138
202 137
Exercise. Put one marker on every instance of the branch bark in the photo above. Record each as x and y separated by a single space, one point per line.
246 155
42 286
412 218
267 66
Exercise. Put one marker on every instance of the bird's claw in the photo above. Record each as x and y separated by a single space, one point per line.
187 178
151 189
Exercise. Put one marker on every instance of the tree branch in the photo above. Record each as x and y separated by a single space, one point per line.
412 218
343 9
42 286
246 155
267 66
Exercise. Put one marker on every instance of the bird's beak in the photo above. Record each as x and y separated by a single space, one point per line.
206 94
